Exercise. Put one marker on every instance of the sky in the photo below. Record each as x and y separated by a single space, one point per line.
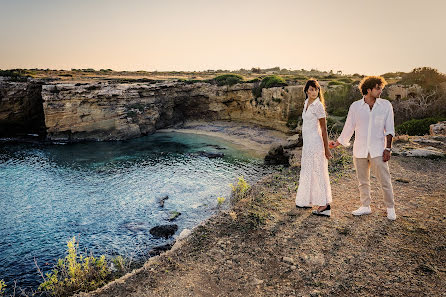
354 36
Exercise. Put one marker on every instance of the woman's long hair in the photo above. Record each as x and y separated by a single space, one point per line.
315 84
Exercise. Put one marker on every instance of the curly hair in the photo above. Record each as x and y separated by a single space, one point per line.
369 82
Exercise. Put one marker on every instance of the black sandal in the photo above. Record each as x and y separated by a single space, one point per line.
325 213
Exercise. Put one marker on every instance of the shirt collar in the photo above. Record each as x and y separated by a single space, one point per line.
378 100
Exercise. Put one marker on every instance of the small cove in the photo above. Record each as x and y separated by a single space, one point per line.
107 195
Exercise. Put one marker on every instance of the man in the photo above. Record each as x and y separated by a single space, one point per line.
371 119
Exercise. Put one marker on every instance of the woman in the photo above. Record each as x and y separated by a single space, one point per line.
314 183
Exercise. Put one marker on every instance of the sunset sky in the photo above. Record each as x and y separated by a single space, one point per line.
355 36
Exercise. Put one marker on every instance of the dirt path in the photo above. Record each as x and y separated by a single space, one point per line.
263 246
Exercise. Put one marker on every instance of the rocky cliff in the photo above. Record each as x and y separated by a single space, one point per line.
21 109
113 111
110 111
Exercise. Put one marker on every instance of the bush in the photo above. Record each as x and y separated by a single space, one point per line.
2 287
270 81
228 79
75 273
426 77
417 126
334 126
239 191
16 75
338 100
335 83
346 80
254 80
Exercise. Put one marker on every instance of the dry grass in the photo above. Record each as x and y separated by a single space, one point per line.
292 253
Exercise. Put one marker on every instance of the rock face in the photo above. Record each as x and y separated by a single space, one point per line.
164 230
277 156
438 129
21 110
106 111
115 111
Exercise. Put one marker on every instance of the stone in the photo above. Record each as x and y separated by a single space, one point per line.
256 282
313 260
164 230
277 156
162 199
438 129
210 155
183 234
288 260
426 152
160 249
294 141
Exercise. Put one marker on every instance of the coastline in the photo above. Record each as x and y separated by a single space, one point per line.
264 246
252 138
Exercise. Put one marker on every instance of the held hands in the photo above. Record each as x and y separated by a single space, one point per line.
333 144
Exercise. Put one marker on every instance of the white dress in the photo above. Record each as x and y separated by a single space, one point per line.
314 182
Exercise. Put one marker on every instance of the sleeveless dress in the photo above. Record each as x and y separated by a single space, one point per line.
314 182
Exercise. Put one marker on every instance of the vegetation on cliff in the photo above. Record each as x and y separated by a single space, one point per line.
227 79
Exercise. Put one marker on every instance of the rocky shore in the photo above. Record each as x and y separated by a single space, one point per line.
263 246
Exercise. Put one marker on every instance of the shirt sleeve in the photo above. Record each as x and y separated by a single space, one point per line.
318 110
349 128
389 126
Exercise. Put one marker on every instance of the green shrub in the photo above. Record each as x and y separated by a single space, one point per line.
338 100
75 273
272 81
335 83
334 126
346 80
417 126
426 77
254 80
228 79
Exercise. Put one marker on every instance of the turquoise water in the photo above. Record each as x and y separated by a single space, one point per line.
107 194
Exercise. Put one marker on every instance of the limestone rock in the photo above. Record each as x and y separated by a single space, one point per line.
438 129
101 111
294 141
164 230
160 249
288 260
425 152
277 156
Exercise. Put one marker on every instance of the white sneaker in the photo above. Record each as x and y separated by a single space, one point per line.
391 214
363 210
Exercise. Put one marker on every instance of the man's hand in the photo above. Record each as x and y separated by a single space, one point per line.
386 155
332 144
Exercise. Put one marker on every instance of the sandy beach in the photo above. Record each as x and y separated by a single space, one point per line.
252 138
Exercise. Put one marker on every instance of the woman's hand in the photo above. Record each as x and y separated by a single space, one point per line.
333 144
328 154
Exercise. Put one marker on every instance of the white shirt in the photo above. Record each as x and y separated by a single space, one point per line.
370 127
